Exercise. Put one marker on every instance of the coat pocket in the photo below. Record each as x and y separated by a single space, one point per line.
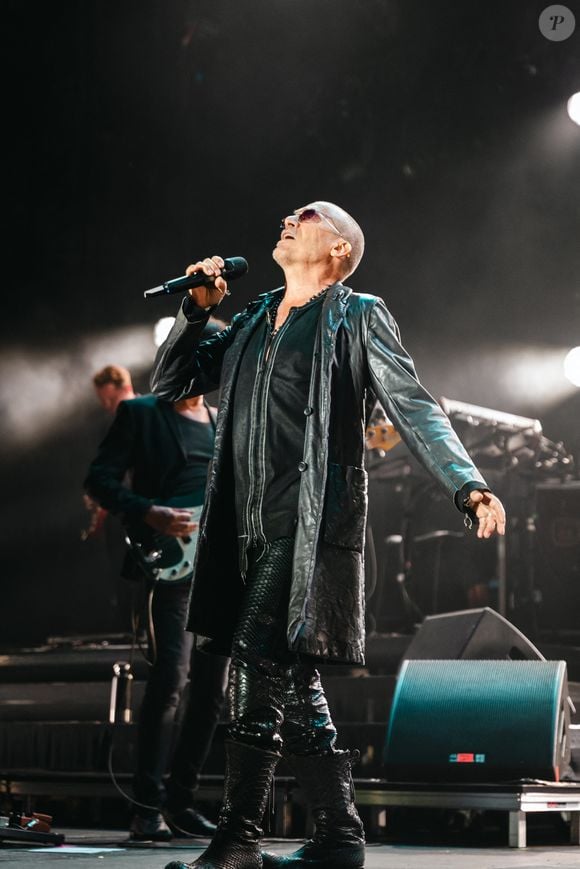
345 507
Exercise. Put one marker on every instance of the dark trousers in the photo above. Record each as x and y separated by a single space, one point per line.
276 698
175 659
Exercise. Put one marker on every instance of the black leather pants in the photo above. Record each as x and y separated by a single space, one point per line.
275 696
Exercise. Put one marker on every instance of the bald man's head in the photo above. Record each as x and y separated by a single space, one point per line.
349 229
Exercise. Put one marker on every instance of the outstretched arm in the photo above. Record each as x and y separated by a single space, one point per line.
423 425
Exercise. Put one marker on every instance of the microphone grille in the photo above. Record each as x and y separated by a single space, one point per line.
235 267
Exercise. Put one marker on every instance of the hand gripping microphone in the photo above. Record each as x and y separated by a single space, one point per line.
234 267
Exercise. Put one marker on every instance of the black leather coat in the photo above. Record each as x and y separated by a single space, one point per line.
358 358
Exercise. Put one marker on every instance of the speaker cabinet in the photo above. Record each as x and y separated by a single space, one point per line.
478 721
471 634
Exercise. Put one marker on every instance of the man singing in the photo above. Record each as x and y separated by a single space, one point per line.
279 578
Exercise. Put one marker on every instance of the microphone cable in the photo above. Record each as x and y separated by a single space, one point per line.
149 655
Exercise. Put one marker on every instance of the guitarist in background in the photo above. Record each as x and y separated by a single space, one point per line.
113 385
166 448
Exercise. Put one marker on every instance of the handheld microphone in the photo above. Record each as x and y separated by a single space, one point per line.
234 267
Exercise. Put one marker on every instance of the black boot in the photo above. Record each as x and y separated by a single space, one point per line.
181 813
338 841
189 822
236 844
149 827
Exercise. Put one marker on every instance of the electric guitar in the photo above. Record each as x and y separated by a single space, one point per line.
160 557
382 436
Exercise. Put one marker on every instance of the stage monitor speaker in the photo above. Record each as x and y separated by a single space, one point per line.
478 721
471 634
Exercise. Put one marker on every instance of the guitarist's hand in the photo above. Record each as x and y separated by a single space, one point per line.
98 516
171 521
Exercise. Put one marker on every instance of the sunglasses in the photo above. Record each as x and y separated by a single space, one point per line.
310 215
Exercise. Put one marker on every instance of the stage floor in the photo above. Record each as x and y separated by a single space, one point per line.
82 848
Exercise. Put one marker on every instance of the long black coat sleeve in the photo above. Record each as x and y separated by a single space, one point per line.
185 366
416 415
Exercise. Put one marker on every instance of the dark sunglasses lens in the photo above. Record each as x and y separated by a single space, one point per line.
307 214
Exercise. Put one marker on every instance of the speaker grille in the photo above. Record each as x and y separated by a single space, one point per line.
478 721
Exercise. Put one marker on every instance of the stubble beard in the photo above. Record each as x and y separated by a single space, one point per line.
278 257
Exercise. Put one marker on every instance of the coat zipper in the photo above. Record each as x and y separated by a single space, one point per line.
253 525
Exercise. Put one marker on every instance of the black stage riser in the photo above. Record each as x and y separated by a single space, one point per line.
365 699
84 747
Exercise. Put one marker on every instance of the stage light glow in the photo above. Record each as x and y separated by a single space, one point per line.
523 379
55 386
572 366
161 330
574 108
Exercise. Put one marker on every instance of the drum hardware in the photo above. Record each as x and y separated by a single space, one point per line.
511 446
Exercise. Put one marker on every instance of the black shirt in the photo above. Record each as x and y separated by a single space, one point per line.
271 405
185 487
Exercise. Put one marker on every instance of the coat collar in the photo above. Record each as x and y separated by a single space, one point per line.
336 293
